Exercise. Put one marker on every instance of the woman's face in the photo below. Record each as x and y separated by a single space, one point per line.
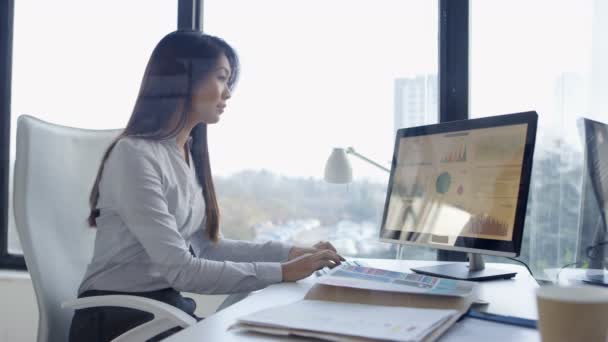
210 95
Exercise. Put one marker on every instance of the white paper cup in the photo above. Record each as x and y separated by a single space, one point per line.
572 313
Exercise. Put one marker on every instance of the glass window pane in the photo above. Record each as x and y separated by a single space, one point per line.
79 63
318 75
547 56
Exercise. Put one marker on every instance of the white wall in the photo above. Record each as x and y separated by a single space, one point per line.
19 312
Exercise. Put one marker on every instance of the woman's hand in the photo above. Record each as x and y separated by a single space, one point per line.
296 252
304 265
324 245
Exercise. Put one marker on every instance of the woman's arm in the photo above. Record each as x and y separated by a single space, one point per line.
246 251
136 188
238 250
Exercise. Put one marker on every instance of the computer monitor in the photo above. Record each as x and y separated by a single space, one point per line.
462 186
592 244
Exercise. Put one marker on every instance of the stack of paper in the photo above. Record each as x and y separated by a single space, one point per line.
356 303
335 321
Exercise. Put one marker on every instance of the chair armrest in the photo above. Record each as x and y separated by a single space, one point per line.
165 315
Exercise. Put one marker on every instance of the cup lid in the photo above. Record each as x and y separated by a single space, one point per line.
573 294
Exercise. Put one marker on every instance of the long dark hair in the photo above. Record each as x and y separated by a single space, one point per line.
178 62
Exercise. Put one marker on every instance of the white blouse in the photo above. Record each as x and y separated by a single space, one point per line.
151 212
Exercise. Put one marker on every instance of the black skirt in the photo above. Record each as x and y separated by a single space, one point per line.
101 324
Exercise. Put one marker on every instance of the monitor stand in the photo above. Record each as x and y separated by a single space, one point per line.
474 271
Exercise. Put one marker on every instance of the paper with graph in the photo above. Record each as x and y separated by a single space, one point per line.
375 279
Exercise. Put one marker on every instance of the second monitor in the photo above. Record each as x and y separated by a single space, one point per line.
462 186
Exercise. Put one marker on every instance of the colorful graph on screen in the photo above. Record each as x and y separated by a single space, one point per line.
458 154
487 225
470 188
443 183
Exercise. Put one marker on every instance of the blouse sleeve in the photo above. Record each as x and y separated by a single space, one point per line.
239 251
137 187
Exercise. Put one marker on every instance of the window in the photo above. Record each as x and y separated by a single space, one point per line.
546 56
317 75
80 63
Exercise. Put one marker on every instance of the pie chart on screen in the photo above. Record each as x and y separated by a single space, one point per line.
444 180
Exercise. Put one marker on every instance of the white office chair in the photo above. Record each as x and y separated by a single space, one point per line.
54 172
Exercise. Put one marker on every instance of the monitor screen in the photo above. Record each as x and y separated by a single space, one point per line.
460 185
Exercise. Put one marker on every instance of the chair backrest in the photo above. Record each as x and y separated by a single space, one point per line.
594 196
55 169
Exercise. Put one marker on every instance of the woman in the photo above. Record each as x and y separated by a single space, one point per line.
154 203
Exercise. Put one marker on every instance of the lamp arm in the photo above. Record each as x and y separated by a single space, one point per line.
352 151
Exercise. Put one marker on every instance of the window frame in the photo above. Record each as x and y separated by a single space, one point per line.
7 7
453 89
454 26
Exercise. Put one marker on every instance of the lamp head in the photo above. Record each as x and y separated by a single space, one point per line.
337 168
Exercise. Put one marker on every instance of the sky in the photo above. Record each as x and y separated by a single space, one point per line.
315 74
519 49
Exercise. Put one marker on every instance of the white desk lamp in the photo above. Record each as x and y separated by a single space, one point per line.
338 169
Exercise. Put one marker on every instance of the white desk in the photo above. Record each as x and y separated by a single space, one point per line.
507 297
